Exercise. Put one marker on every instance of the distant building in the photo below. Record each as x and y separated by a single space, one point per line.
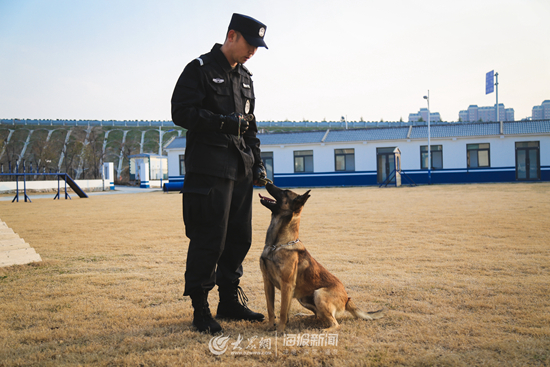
463 116
423 114
486 114
541 112
148 167
509 114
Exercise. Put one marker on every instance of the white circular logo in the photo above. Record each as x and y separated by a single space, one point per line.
262 32
218 344
247 106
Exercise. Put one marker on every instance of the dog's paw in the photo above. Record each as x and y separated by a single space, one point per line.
331 329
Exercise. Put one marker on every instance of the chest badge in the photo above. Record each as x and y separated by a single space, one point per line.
247 86
218 80
247 106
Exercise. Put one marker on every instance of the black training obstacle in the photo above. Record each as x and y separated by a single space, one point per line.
60 176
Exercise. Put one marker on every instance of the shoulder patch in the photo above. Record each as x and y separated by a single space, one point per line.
202 59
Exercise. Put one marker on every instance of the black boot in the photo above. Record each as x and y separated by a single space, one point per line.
202 318
233 305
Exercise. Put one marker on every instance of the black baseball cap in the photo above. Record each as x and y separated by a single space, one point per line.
252 30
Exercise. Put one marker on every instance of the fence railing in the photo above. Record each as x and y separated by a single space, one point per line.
261 124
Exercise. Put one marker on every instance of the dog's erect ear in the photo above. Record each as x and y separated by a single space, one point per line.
300 200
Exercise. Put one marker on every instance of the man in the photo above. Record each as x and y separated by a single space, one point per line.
214 100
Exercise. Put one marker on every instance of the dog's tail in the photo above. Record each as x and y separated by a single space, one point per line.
372 315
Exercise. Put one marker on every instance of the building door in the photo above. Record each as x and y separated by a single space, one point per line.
527 160
267 158
385 163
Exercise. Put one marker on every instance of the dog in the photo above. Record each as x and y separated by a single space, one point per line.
288 266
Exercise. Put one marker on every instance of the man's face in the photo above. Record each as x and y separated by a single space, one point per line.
241 50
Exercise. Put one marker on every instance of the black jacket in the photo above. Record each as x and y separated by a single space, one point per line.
208 88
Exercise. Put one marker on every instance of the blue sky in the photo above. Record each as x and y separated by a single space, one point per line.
99 59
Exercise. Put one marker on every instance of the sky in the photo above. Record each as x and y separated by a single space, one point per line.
360 59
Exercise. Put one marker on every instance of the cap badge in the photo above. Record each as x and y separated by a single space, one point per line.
262 32
218 80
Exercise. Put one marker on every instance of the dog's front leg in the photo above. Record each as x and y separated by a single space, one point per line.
269 290
288 284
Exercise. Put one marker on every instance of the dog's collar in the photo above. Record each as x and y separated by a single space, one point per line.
274 247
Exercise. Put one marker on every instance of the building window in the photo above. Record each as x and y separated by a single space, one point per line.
436 152
182 164
478 155
267 158
303 161
344 159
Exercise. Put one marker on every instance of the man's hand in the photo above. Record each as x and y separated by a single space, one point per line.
259 175
235 124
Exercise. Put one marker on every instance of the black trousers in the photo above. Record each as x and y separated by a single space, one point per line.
217 213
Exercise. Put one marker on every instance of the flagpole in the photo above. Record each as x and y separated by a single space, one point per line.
496 84
427 98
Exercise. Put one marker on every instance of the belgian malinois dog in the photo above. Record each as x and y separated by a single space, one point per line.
287 265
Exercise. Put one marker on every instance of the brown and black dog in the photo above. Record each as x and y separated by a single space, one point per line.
287 265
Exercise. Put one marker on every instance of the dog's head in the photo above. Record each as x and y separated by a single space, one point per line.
284 201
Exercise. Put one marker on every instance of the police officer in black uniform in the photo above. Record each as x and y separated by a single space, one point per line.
214 100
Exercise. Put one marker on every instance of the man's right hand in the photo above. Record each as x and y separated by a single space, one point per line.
235 124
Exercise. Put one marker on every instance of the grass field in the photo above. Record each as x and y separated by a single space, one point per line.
464 271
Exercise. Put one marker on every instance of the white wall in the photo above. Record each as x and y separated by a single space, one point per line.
174 161
502 152
86 185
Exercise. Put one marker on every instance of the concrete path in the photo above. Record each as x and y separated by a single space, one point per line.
13 249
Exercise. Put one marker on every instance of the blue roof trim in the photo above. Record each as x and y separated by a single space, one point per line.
393 133
291 138
476 129
177 143
532 127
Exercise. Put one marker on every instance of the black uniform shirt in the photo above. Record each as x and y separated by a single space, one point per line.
207 88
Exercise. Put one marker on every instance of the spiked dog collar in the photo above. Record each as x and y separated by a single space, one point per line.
274 247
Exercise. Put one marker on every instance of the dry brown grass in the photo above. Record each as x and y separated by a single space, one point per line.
463 271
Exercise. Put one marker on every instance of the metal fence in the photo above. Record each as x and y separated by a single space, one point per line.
87 123
261 124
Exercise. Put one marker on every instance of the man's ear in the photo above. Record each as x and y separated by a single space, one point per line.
300 200
231 35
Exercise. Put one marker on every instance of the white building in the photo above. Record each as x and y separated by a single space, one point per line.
423 114
460 153
486 114
149 169
541 112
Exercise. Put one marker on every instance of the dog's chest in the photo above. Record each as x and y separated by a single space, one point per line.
273 267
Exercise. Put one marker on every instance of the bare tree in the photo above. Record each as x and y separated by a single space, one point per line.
72 153
93 154
37 151
11 153
131 147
